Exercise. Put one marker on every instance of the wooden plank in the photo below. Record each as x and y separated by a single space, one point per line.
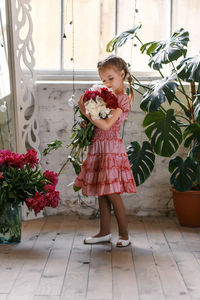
183 255
191 238
27 281
100 273
53 275
100 269
172 281
124 278
78 263
148 280
13 257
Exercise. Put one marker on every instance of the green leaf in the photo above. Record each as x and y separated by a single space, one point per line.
4 184
161 90
192 139
163 52
120 40
150 49
163 131
196 105
52 146
184 173
192 132
141 160
189 69
76 164
76 189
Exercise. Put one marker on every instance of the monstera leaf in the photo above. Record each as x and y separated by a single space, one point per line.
184 173
163 52
189 69
141 160
192 139
161 90
163 131
192 132
196 104
120 40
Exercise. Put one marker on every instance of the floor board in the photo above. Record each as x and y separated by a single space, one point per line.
52 263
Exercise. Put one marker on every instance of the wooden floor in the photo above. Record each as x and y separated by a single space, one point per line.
52 263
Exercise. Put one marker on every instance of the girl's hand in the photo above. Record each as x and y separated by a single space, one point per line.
83 124
82 106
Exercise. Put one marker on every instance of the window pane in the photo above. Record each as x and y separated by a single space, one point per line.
93 28
186 15
46 33
155 18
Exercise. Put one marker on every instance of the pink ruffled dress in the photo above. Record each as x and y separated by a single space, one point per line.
106 169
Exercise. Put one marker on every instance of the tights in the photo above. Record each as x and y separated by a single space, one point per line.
105 203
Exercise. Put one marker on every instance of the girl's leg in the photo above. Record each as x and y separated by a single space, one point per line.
105 213
120 214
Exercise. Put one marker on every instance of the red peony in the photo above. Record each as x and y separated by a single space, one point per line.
30 158
109 98
11 159
90 95
51 176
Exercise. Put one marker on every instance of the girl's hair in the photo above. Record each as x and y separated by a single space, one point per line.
120 65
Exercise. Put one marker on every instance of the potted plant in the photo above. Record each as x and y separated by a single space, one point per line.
21 181
172 119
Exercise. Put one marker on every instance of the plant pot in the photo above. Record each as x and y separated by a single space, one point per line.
10 224
187 207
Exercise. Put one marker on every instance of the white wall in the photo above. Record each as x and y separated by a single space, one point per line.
55 122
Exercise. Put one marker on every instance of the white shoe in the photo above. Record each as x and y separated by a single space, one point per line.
96 240
123 243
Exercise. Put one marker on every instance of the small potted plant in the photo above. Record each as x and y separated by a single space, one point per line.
172 119
21 181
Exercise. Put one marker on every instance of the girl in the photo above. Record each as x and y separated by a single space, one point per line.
106 172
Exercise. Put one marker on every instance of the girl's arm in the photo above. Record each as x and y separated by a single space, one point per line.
101 123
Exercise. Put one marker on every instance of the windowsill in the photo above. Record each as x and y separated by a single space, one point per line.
83 76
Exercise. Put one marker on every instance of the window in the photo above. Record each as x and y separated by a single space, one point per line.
95 24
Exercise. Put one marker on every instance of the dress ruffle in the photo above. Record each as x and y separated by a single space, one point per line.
106 169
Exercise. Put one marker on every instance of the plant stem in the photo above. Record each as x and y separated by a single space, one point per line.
161 73
192 93
137 91
139 40
141 85
180 116
182 88
63 166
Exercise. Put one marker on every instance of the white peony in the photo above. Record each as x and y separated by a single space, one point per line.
98 87
92 109
97 109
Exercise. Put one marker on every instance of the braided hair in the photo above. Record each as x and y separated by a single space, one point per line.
120 65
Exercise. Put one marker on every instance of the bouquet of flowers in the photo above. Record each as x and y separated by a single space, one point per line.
21 181
99 102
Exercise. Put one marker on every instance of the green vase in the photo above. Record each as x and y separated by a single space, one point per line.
10 224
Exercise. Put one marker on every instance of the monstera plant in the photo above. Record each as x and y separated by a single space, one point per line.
172 114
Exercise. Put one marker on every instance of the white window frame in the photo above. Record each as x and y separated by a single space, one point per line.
87 75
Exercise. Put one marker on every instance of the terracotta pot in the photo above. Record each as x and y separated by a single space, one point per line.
187 206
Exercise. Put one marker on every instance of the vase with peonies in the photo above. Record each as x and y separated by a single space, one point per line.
22 181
